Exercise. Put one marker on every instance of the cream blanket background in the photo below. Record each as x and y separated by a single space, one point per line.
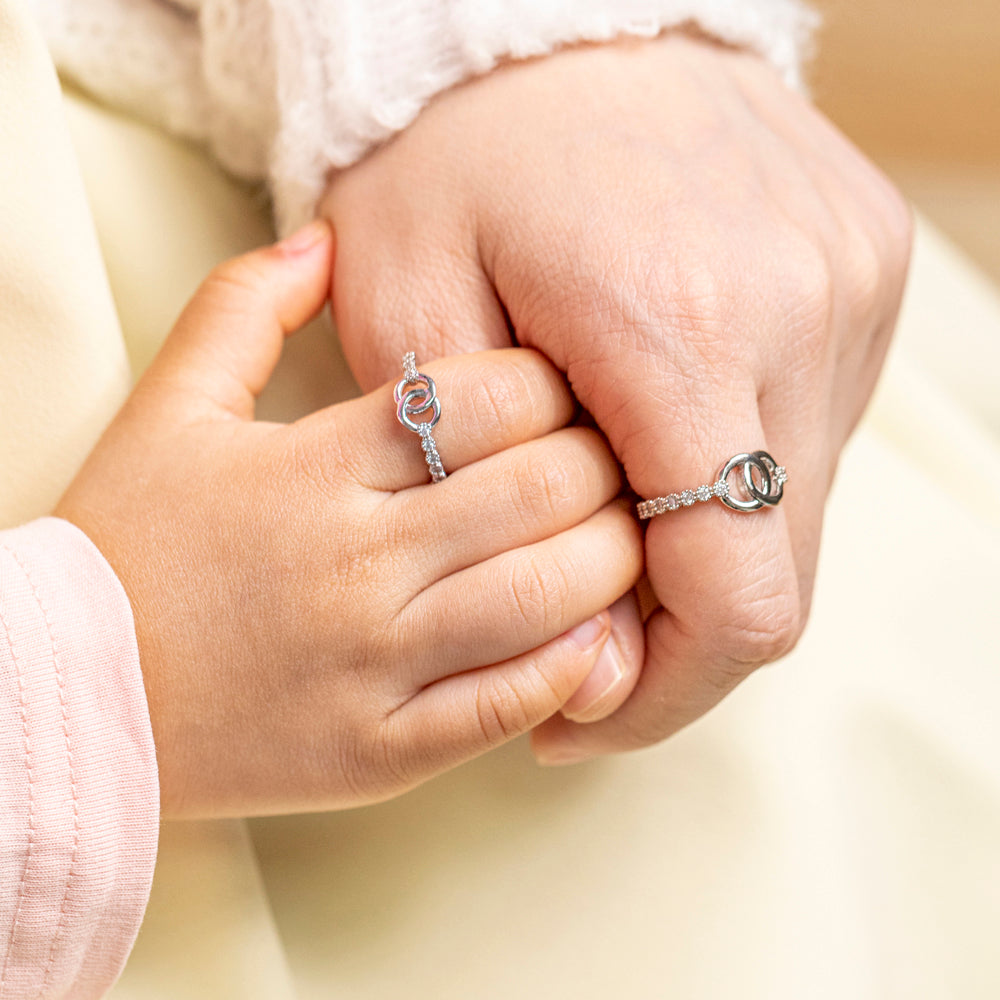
832 830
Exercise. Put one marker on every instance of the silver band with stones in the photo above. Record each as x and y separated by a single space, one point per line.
415 394
761 485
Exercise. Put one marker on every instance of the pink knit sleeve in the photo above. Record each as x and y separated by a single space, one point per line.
79 799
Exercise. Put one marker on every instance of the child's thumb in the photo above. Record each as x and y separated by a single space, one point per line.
227 341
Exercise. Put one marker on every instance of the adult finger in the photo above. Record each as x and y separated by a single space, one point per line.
396 291
806 439
227 341
729 589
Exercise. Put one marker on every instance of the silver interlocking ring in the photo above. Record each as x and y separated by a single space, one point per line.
762 484
415 394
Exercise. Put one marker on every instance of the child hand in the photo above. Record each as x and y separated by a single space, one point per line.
319 626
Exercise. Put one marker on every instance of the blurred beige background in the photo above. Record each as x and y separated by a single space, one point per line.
916 83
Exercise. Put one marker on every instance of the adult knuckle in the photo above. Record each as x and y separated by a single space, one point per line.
697 302
863 283
809 273
889 232
877 262
702 292
810 287
761 628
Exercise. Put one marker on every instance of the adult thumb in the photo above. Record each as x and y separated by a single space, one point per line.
226 343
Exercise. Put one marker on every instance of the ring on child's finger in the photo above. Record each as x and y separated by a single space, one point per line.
415 394
762 484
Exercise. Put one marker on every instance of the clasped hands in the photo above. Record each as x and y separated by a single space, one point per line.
713 269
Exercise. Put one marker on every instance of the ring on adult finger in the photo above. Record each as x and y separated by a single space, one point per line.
415 394
762 484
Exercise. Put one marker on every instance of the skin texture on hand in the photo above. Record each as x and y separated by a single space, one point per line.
715 268
318 625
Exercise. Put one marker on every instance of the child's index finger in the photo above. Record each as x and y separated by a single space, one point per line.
489 401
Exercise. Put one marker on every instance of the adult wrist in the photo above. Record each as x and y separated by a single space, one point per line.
375 81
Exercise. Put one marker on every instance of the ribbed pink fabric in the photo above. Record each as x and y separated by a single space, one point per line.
79 798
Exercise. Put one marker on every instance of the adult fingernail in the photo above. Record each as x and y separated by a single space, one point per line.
597 690
306 238
587 635
558 756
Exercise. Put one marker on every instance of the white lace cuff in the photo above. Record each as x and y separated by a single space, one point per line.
295 89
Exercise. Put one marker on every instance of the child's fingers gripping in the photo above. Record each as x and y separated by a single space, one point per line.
467 714
489 401
227 341
519 496
520 599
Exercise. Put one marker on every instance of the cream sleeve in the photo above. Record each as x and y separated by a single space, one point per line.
291 90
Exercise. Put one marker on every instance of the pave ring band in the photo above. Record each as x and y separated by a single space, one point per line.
415 394
762 484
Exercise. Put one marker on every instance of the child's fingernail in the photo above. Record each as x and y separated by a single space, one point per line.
587 635
557 756
306 238
595 692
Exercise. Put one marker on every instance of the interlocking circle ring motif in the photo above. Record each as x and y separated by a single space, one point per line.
411 403
763 490
762 484
415 394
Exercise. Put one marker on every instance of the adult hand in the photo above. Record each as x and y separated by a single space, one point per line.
318 625
713 265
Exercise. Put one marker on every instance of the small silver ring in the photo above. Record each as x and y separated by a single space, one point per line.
408 407
772 487
766 490
414 394
414 391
